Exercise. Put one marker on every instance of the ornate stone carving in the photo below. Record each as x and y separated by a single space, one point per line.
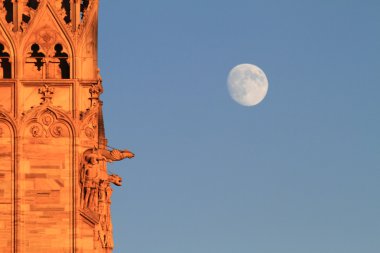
47 38
96 189
47 59
90 177
45 42
47 94
89 132
36 130
93 174
90 124
57 129
95 90
46 124
117 155
47 119
28 11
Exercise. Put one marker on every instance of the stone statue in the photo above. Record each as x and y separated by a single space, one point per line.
90 179
96 188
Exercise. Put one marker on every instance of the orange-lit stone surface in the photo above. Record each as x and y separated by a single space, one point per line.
55 191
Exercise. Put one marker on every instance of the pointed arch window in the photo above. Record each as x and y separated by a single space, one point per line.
52 64
63 58
8 6
83 7
65 6
33 4
28 12
38 56
34 67
5 64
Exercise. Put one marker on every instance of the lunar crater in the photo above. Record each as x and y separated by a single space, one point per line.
247 84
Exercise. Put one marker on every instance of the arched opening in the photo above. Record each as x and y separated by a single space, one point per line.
35 63
45 196
7 185
65 5
5 63
33 4
38 56
8 6
63 61
83 7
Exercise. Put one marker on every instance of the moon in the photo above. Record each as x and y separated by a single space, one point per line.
247 84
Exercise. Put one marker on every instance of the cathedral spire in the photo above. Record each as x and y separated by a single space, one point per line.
55 187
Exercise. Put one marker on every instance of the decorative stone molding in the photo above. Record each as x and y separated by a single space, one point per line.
47 38
47 94
86 8
28 10
89 126
6 13
48 125
63 9
59 195
3 115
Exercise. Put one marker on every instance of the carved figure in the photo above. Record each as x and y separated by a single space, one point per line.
90 180
51 111
105 225
100 80
97 190
94 180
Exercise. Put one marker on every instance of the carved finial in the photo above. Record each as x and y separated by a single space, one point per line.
95 91
47 94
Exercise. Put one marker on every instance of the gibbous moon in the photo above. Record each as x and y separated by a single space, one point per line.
247 84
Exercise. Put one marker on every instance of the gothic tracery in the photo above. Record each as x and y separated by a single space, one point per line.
50 88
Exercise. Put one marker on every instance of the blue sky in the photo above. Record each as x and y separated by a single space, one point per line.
299 173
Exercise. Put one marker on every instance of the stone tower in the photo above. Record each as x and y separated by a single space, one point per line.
54 187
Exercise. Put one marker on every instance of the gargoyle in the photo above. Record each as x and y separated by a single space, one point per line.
94 177
115 179
116 155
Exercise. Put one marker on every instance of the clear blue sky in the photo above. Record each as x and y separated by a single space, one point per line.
299 173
